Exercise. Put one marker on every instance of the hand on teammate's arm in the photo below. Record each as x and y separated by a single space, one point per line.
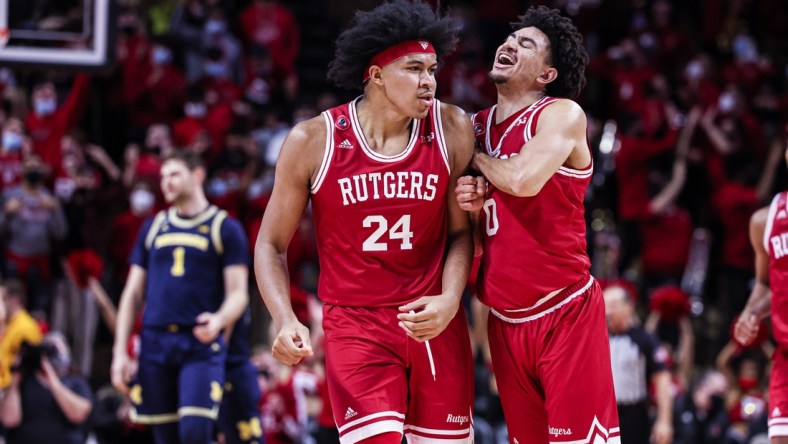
470 191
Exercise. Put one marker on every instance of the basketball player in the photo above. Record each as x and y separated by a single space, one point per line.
547 331
190 264
769 238
394 246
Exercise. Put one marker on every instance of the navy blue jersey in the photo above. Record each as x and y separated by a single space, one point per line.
238 349
185 261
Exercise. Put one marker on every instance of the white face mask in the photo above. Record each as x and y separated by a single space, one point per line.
141 201
12 141
45 107
195 110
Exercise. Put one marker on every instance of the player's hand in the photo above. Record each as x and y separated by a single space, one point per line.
470 192
426 317
208 327
746 329
292 343
121 372
662 432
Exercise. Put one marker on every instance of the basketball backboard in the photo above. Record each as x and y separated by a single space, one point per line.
77 34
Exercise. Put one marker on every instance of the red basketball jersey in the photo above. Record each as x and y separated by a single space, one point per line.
380 221
775 240
532 245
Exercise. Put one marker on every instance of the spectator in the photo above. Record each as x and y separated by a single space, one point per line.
125 227
45 401
47 123
700 416
156 93
20 327
15 145
32 220
269 24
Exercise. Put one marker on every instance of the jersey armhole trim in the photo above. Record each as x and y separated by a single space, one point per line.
216 231
770 221
438 127
154 228
328 153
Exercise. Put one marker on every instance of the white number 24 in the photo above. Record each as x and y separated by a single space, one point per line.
400 230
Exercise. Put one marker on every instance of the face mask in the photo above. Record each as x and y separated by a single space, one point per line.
745 49
195 110
12 141
747 384
694 69
214 69
215 27
34 177
218 187
129 30
141 201
44 107
161 55
726 103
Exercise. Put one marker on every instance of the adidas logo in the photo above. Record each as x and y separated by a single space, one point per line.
781 214
776 412
346 144
350 413
516 441
424 44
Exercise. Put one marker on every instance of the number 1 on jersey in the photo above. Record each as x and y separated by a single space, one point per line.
178 256
400 230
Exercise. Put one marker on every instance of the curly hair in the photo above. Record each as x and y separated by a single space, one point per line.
567 52
390 23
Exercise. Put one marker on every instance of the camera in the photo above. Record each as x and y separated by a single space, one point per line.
30 357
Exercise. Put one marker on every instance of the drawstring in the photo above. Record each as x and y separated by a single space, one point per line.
432 362
429 355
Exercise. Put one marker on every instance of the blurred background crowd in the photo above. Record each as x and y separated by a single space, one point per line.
687 104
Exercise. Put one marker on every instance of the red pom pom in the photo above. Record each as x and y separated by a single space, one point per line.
84 264
671 303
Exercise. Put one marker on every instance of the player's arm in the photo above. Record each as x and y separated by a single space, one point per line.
433 313
760 301
561 128
130 302
297 160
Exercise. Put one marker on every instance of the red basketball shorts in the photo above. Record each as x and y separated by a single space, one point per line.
380 380
778 394
553 371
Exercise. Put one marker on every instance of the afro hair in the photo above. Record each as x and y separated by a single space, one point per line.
391 23
567 52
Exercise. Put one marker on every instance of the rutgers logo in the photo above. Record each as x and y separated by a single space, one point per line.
478 129
342 123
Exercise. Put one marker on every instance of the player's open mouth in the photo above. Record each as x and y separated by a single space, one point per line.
504 59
